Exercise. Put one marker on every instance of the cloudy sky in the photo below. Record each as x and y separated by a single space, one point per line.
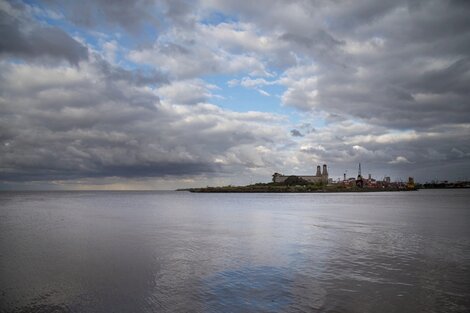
171 93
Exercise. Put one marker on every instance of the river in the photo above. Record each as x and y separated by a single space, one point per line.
183 252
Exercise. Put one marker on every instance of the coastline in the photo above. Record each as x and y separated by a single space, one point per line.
289 189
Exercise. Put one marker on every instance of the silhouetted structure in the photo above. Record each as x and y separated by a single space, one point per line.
359 180
319 178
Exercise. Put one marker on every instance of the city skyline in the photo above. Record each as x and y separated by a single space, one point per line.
172 94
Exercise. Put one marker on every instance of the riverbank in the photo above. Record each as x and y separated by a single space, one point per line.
274 188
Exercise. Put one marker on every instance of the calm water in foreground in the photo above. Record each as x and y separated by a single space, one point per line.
182 252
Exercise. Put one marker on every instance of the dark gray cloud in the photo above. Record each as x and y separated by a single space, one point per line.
296 133
453 79
403 65
442 151
131 16
317 43
158 169
98 120
31 40
136 77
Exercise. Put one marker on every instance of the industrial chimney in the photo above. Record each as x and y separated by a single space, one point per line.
325 171
318 171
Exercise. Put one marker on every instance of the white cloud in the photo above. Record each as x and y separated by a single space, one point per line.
400 160
302 87
239 37
110 48
89 125
205 49
190 91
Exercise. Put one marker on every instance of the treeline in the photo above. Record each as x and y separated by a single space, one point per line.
286 188
442 185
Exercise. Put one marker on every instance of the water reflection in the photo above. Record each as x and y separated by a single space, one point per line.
180 252
251 289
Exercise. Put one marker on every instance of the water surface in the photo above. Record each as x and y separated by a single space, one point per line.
183 252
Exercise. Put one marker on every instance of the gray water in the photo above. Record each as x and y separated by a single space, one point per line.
183 252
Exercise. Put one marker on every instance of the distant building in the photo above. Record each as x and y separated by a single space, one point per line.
319 177
359 180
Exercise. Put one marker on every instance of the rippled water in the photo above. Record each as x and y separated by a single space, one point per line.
183 252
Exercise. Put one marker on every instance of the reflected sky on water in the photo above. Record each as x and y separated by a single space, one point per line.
183 252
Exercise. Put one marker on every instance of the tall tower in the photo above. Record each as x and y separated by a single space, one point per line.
324 176
318 171
325 170
359 181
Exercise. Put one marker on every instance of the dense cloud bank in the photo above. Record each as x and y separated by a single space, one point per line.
101 91
23 37
64 122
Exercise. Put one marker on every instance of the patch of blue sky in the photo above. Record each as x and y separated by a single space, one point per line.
302 118
90 38
42 13
317 121
15 60
146 32
215 18
96 40
241 99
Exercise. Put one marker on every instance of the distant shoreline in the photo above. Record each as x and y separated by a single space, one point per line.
264 188
199 190
273 187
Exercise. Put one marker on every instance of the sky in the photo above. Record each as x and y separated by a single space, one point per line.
164 94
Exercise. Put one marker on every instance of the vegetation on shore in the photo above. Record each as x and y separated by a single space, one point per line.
288 188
